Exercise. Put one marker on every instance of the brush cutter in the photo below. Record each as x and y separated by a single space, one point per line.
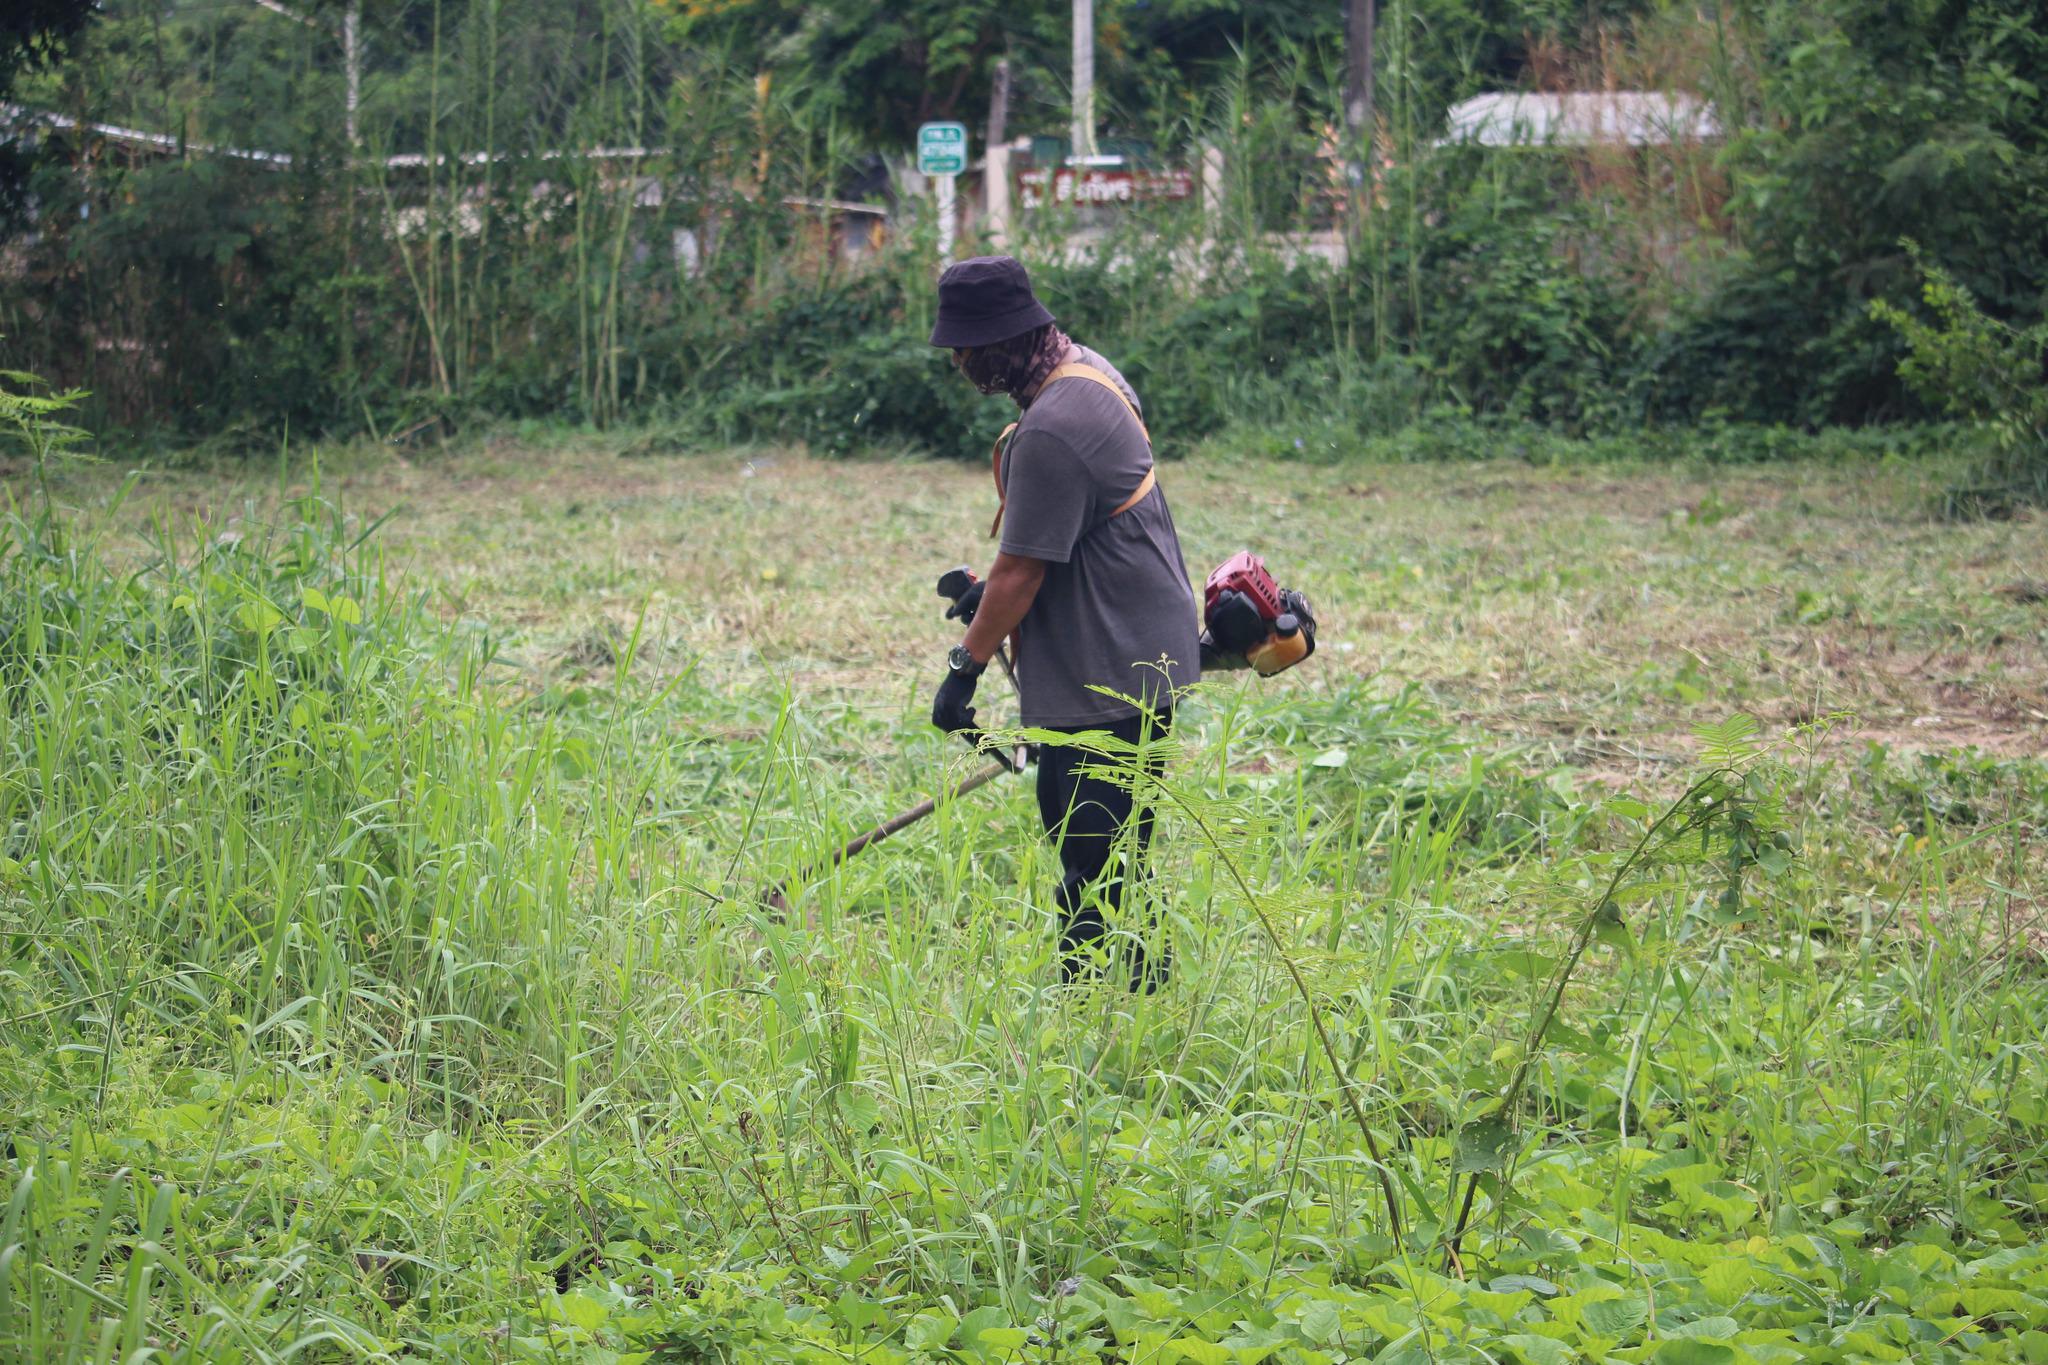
953 586
1249 620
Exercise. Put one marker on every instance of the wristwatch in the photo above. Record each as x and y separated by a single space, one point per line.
960 661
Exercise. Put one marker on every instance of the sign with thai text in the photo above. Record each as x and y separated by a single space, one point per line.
1094 185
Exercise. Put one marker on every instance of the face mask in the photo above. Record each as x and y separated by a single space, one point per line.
985 369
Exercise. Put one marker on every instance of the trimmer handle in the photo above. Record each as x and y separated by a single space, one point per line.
954 583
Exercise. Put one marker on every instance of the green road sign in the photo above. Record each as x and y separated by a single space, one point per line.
941 148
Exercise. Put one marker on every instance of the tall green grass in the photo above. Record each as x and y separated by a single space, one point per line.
359 1000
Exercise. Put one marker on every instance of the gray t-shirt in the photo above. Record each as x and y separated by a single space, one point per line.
1116 598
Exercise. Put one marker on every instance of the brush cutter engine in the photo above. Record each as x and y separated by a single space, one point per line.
1251 621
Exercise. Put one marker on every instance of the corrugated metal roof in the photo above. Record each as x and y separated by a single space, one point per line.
649 193
1615 118
162 142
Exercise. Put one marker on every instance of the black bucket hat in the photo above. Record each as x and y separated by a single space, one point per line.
985 300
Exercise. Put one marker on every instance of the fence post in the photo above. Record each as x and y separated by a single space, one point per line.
1212 193
949 215
995 188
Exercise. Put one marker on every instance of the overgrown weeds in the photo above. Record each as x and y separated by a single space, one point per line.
358 1000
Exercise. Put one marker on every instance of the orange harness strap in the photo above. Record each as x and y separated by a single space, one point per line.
995 469
1073 369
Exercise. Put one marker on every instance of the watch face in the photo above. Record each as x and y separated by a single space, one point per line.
959 659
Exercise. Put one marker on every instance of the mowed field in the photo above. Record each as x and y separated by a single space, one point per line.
1603 610
386 974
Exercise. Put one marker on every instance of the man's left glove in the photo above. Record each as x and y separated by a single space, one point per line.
952 704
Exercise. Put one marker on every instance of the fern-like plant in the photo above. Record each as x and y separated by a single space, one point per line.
31 413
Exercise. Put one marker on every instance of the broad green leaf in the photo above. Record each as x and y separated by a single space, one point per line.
1616 1317
984 1319
1717 1328
1868 1345
1980 1301
1728 1280
1002 1338
1522 962
1537 1350
930 1330
1682 1351
1484 1146
1331 758
1320 1322
1503 1306
313 599
861 1110
856 1312
1508 1284
1259 1342
2010 1258
1198 1351
1390 1318
1125 1318
259 616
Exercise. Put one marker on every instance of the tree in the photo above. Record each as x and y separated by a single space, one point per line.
33 34
1856 124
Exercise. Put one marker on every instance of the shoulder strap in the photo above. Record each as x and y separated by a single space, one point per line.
1073 369
995 468
1145 485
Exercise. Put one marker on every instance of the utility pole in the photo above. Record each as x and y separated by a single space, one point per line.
999 105
352 62
1358 114
995 164
350 38
1084 78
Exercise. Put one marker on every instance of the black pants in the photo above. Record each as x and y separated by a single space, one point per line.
1086 817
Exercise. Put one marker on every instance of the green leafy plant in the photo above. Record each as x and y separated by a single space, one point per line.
30 414
369 979
1985 371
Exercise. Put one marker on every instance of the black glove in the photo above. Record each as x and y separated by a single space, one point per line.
951 709
967 604
1216 659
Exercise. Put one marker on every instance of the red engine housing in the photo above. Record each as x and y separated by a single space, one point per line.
1244 572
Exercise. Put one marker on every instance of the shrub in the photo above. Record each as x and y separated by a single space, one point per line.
1984 371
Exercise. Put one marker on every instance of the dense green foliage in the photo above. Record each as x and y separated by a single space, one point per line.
364 1001
1593 292
1990 372
1866 122
33 34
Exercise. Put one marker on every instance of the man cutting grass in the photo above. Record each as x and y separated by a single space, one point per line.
1089 582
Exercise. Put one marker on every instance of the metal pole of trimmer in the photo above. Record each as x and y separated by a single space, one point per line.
953 584
777 898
